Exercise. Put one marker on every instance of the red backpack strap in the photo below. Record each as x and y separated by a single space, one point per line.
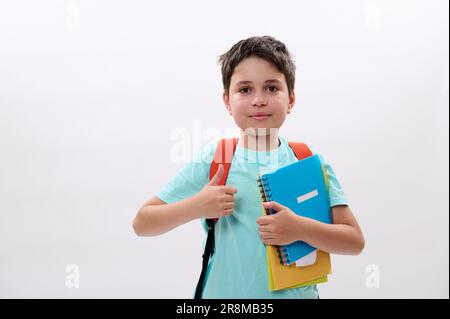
301 150
224 155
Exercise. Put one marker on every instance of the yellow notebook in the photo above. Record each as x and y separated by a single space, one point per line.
284 277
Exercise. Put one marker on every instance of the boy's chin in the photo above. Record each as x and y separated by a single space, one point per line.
260 131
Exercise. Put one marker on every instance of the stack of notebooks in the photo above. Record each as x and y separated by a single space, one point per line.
303 188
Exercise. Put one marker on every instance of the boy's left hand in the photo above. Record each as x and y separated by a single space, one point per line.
281 228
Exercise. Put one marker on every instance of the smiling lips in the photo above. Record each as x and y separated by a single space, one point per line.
260 116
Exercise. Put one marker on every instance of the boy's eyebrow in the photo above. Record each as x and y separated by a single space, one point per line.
268 81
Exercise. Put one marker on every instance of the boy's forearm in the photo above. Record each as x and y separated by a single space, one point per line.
153 220
334 238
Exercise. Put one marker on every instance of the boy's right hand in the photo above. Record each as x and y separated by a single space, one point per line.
214 200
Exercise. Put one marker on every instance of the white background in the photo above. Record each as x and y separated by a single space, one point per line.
91 91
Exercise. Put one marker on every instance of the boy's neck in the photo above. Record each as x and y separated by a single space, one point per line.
263 143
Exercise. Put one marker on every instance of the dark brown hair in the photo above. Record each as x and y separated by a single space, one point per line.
265 47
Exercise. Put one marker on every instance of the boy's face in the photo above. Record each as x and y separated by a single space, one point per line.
258 96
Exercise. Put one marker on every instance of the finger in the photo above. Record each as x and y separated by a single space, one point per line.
273 205
268 240
217 177
264 228
271 242
229 205
266 235
228 211
264 220
230 190
229 198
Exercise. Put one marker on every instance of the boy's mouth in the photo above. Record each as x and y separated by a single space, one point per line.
260 116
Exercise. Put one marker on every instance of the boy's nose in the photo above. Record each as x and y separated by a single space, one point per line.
259 100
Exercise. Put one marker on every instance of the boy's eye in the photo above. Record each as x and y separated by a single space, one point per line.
272 89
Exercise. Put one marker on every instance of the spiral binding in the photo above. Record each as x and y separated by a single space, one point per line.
266 196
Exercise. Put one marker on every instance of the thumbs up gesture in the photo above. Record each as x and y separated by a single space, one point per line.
215 200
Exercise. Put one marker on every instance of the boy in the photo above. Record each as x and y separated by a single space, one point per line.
258 76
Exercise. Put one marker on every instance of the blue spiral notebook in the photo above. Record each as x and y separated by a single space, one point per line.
302 187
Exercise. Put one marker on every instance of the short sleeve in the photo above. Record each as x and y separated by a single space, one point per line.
192 177
335 192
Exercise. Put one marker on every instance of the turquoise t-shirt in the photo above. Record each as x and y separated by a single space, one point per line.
238 268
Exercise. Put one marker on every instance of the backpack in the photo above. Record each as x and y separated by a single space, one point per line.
223 155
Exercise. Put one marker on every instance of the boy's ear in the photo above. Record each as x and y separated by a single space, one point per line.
226 101
291 102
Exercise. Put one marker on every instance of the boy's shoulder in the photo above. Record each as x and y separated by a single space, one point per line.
293 140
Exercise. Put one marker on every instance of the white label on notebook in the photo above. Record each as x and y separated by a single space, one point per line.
308 260
307 196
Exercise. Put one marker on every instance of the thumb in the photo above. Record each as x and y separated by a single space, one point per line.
273 205
216 179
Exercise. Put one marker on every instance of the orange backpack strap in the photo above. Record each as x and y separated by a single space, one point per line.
301 150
